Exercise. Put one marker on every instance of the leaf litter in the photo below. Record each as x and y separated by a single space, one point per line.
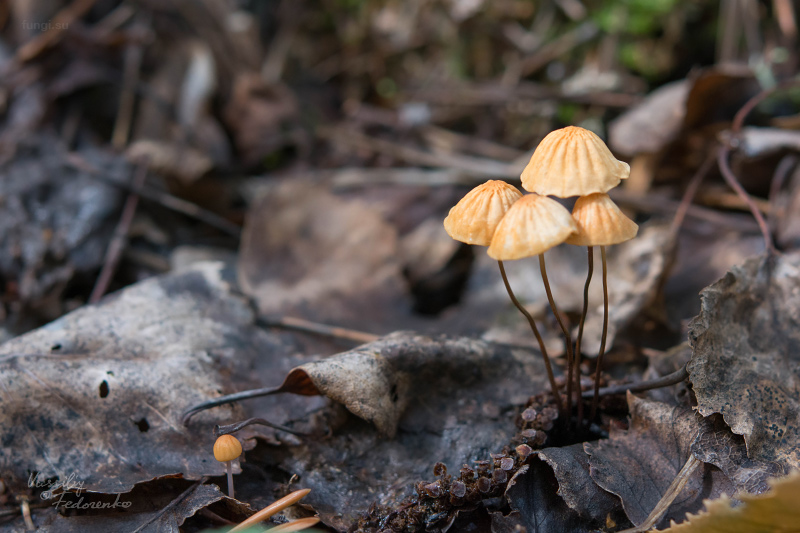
258 94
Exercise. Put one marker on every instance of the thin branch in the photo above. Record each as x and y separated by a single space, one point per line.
120 239
174 203
306 326
730 178
665 381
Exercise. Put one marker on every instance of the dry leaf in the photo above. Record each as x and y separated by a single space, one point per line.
98 394
650 125
444 399
639 464
536 508
746 344
774 512
378 381
570 465
306 252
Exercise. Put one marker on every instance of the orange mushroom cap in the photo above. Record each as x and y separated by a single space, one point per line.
573 161
475 217
227 448
533 225
600 222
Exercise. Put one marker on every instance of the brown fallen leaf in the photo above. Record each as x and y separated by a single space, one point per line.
308 253
727 451
97 395
444 399
774 512
378 381
746 344
639 464
536 508
653 123
145 507
570 465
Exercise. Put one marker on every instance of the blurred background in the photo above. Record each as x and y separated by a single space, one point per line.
198 108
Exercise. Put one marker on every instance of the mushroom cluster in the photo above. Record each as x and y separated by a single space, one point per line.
568 162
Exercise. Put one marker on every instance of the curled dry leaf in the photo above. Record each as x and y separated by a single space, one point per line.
775 511
746 344
719 446
444 399
379 380
98 394
307 252
639 464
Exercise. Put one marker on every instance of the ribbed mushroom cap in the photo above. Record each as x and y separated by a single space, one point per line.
533 225
573 161
600 222
475 217
227 448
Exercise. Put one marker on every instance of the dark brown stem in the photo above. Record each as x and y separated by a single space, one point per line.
580 331
535 330
567 336
599 367
733 183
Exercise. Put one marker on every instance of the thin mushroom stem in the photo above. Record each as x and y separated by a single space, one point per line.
599 366
567 336
230 478
580 332
538 336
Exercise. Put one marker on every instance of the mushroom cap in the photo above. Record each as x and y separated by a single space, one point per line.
475 217
573 161
600 222
533 225
227 448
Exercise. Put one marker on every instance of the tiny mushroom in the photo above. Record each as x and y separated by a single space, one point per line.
226 449
533 225
474 220
600 223
573 161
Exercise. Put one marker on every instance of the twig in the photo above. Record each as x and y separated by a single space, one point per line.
182 496
271 509
658 383
306 326
669 496
559 46
174 203
230 398
130 79
689 194
730 178
56 27
296 525
233 428
118 243
474 166
26 515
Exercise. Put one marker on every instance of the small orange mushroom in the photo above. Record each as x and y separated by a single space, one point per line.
226 449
